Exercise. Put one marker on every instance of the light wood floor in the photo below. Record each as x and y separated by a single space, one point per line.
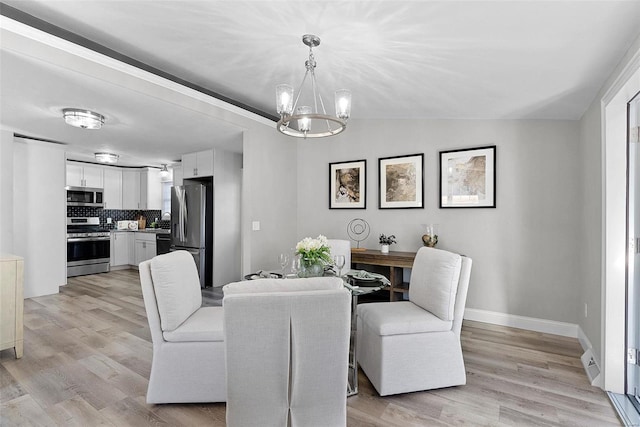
87 357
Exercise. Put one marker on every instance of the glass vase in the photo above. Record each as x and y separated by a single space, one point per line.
430 238
311 268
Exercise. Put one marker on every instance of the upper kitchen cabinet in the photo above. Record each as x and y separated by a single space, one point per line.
150 189
141 189
82 175
197 165
130 189
112 188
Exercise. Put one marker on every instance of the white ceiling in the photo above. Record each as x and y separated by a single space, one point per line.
428 59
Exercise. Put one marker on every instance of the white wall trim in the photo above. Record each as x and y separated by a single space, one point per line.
522 322
614 131
586 343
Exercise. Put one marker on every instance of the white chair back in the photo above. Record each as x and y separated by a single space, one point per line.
287 352
341 247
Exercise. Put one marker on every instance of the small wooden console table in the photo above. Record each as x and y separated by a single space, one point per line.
396 261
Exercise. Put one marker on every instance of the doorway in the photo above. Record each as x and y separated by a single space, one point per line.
632 388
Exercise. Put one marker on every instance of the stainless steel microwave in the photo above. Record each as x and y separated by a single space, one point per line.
85 196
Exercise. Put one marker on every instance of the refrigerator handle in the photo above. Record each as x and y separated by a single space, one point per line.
180 232
184 215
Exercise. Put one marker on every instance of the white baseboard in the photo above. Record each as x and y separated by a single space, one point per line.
529 323
584 340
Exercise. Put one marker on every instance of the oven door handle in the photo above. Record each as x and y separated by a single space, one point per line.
87 239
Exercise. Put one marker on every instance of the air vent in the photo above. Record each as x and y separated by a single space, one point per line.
591 367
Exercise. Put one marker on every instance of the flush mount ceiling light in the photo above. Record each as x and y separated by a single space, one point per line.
305 121
84 119
107 158
164 172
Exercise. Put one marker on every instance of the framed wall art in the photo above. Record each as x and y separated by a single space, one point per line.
347 185
401 182
468 178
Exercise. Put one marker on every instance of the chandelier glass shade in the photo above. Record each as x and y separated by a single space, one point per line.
310 121
107 158
84 119
164 172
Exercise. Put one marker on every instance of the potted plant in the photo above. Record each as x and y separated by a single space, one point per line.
385 241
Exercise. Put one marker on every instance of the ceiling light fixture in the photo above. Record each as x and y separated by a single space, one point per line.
107 158
164 172
84 119
305 121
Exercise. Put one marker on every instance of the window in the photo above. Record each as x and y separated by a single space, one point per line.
166 197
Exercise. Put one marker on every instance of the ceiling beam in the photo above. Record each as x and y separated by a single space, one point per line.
39 24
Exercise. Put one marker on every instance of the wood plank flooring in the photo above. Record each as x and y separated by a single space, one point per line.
87 357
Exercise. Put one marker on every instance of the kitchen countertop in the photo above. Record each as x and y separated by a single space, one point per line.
146 230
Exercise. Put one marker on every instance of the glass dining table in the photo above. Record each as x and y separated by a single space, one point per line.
357 287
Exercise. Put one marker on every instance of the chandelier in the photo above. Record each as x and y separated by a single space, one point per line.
84 119
310 121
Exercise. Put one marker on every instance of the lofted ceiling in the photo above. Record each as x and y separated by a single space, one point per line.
401 59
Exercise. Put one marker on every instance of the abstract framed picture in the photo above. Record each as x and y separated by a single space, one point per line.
401 182
468 178
348 185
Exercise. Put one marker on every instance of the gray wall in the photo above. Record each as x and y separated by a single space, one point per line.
526 251
590 157
227 216
269 196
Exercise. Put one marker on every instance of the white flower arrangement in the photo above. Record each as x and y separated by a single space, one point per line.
314 250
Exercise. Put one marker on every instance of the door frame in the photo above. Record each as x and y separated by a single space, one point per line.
614 205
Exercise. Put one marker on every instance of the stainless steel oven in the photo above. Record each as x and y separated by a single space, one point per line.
88 247
85 196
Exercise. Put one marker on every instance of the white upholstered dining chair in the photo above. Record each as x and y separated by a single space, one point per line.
341 247
287 348
188 340
414 345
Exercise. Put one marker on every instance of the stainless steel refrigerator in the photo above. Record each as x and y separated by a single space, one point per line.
192 226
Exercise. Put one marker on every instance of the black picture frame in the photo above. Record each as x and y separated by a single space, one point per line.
348 185
401 182
468 178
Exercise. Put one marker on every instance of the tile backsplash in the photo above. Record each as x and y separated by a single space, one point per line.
116 215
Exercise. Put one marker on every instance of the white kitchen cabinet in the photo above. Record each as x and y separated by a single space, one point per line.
121 243
196 165
150 189
130 189
81 175
141 189
145 246
93 177
75 177
112 188
189 165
